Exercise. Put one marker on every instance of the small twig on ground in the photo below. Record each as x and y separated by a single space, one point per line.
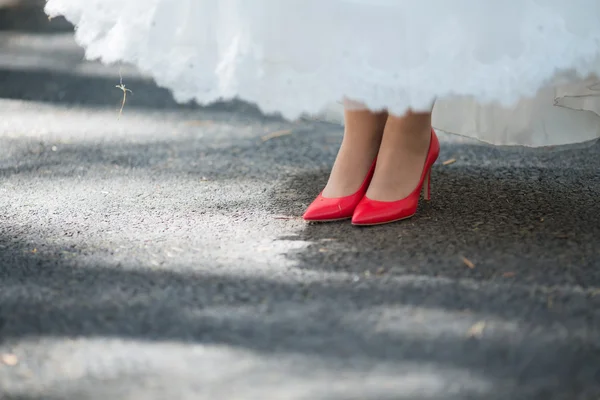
199 123
276 135
450 161
122 87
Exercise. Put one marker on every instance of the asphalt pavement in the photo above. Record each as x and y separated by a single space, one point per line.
160 254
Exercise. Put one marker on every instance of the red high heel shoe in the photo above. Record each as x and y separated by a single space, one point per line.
373 212
325 209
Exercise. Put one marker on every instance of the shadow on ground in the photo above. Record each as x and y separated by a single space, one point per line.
28 16
49 295
58 87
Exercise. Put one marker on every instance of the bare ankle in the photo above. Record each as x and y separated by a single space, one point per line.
362 139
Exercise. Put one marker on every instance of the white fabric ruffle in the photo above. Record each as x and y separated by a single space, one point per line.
516 72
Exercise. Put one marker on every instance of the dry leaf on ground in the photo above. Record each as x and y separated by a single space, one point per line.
199 122
477 329
9 359
468 263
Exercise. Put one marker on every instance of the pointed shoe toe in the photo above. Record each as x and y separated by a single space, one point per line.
324 209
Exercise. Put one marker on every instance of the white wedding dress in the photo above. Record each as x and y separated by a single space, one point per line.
511 72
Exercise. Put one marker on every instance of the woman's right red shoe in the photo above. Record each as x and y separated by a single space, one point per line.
373 212
325 209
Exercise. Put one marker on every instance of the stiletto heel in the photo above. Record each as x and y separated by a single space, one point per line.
374 212
324 209
427 186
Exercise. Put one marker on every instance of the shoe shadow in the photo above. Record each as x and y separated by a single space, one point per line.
528 217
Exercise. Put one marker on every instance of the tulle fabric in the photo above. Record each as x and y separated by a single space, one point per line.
516 72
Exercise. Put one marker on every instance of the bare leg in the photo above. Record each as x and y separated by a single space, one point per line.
362 137
401 156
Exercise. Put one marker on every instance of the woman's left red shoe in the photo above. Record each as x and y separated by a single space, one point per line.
325 209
